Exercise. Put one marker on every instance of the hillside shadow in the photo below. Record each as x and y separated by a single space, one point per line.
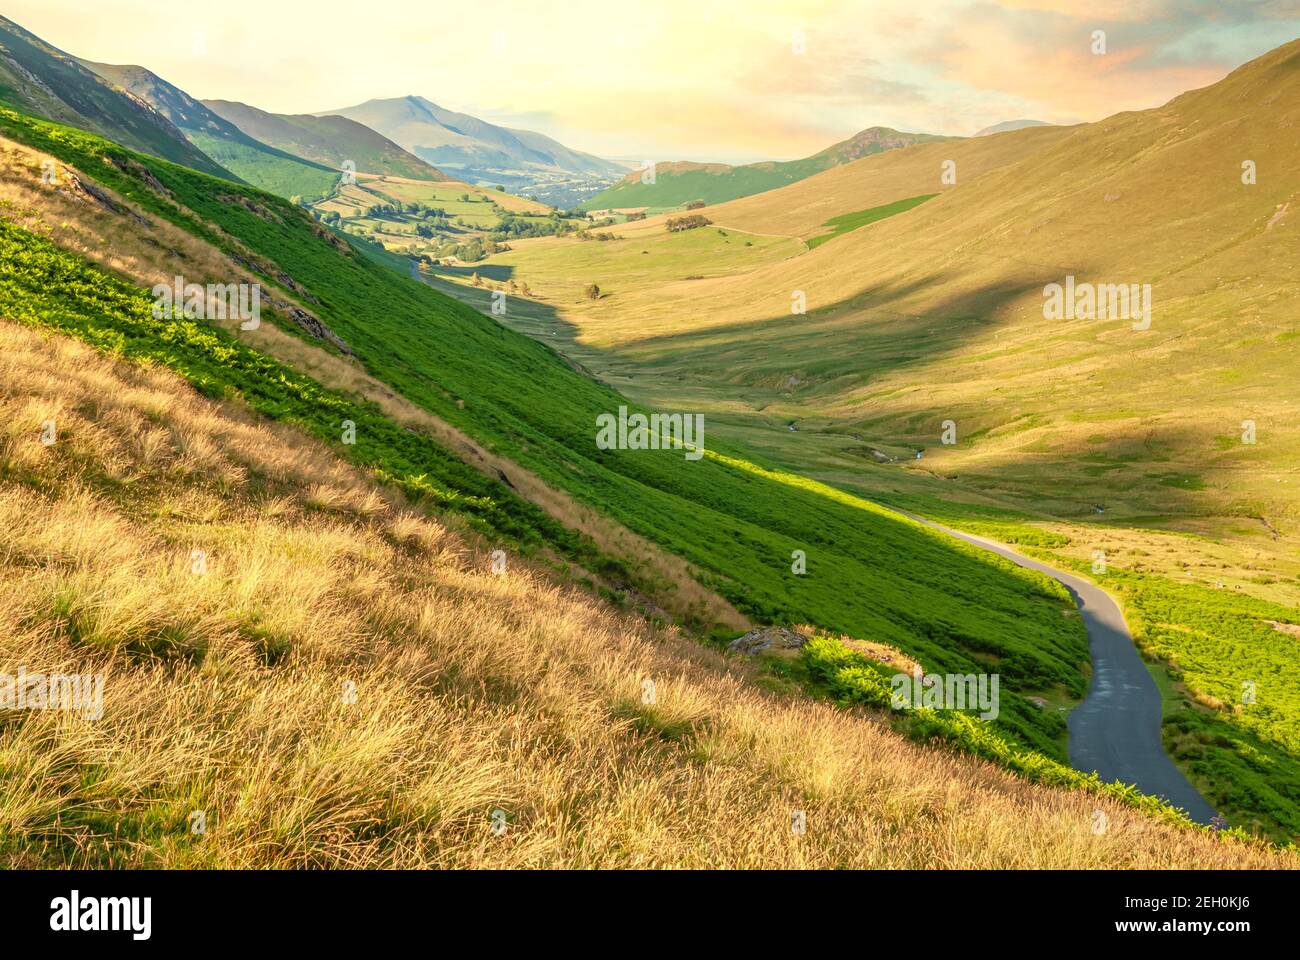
499 272
871 332
1127 473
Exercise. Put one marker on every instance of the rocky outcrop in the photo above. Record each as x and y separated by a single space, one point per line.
312 324
769 640
87 192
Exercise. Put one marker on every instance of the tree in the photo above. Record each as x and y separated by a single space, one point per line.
592 291
677 224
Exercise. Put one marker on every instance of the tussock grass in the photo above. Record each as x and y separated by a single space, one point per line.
348 685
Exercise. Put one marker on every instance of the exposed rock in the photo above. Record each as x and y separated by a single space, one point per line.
87 191
252 265
312 324
252 206
333 239
140 172
768 640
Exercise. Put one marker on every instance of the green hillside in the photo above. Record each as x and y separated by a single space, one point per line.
271 170
871 573
331 141
250 159
678 183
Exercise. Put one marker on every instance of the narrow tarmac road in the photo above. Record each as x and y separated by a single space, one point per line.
1116 729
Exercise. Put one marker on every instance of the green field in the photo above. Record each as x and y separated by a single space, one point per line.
852 221
671 190
468 212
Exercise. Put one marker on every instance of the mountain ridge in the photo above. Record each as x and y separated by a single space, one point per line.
54 84
677 182
470 146
329 139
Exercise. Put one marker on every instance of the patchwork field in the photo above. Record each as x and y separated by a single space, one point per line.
395 212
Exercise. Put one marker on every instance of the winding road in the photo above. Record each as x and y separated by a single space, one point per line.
1116 729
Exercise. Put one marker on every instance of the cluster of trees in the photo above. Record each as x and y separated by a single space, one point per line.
695 205
636 216
474 249
421 211
511 227
431 227
587 235
677 224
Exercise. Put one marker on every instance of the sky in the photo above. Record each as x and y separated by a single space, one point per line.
724 80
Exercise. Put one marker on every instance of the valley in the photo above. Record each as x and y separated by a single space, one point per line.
553 514
1083 458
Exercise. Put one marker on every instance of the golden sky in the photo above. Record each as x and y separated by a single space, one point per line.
695 79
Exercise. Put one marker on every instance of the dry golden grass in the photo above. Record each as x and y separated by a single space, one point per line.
349 685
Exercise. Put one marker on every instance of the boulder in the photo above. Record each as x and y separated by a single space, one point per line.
768 640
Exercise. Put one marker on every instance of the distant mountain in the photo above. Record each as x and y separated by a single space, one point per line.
260 164
473 149
331 140
1008 125
44 80
679 182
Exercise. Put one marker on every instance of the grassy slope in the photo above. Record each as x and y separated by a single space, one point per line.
282 175
802 208
672 189
734 519
434 693
846 222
